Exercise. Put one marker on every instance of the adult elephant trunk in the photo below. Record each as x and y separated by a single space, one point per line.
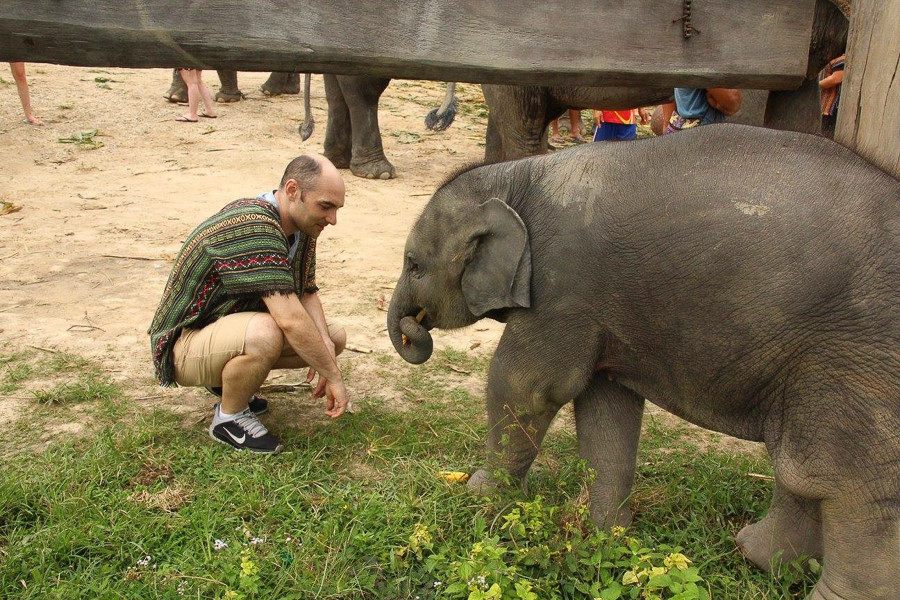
411 340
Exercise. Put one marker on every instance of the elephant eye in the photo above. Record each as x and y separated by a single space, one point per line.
413 267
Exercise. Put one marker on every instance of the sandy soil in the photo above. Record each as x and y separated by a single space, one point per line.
84 262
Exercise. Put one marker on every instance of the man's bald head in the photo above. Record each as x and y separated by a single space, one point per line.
315 190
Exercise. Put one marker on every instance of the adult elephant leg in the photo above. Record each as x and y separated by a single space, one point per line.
519 114
791 529
338 132
361 95
796 110
228 91
281 83
177 92
608 422
493 143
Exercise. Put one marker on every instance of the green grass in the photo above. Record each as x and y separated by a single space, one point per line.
355 508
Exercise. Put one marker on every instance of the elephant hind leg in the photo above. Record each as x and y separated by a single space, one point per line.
862 551
338 132
791 529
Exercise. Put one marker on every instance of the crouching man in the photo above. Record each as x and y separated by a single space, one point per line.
241 300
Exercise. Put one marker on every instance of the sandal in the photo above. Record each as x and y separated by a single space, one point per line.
206 116
183 119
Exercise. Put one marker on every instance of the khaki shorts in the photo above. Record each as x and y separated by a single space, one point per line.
201 354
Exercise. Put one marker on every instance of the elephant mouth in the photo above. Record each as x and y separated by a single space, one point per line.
421 317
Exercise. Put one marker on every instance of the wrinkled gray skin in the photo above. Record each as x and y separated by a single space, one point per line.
755 294
353 137
519 115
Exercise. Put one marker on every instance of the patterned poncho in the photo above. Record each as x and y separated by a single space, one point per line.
228 264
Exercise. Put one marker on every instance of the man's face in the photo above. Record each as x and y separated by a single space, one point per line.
316 209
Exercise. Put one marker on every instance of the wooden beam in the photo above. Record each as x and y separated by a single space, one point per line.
745 43
869 112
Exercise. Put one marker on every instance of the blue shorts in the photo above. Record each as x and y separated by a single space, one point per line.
615 131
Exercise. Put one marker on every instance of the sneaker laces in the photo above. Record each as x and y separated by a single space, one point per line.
249 423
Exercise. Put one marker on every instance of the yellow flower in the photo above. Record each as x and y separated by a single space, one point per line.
618 530
631 578
658 571
677 561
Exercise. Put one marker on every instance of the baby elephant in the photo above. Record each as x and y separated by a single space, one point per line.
753 289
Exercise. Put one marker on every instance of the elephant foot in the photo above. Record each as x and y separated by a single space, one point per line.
481 483
823 592
373 169
608 518
340 158
768 541
281 83
176 92
228 96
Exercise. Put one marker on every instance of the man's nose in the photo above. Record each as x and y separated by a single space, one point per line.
331 218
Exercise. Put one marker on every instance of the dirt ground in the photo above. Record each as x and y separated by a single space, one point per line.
83 263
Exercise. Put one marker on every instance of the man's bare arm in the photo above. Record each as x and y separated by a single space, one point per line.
302 334
313 306
724 100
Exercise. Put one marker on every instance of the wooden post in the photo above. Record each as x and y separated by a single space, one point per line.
869 112
638 43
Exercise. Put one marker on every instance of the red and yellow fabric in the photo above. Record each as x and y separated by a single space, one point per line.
625 117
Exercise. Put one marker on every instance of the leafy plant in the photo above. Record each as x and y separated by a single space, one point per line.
84 139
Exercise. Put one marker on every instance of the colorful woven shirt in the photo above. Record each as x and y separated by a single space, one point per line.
228 264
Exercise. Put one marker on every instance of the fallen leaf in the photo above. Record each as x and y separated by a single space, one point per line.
453 476
7 208
474 345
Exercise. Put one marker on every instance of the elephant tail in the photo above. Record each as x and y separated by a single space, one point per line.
441 118
309 123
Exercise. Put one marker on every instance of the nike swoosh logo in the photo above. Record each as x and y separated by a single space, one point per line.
239 440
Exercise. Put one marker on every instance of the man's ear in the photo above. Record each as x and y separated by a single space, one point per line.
498 272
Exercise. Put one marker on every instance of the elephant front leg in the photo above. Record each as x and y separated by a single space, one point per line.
177 92
791 529
362 95
608 421
519 415
281 83
228 89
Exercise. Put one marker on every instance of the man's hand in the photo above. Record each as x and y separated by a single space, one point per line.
644 115
337 399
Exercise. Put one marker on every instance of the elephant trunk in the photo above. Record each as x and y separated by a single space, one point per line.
411 340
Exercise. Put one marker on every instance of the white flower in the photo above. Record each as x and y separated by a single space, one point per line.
257 540
144 561
219 544
437 584
287 539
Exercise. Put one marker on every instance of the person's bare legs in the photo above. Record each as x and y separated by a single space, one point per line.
554 132
18 73
208 106
191 78
574 130
244 373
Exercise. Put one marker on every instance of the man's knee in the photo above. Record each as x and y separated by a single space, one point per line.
339 339
264 338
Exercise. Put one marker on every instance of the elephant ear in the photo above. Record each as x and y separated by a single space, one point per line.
498 271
